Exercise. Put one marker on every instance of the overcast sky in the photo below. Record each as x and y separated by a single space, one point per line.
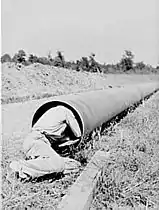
79 27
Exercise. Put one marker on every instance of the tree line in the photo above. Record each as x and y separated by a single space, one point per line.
88 64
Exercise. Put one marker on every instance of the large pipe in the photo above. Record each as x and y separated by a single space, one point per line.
92 109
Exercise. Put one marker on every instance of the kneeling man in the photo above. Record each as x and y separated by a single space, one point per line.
44 146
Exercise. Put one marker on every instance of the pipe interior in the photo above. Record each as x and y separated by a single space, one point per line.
45 107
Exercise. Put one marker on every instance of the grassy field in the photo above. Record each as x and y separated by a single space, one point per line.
131 176
29 83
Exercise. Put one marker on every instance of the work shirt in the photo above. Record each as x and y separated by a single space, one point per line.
54 126
57 127
55 121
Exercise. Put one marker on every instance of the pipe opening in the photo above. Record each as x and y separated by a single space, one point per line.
71 129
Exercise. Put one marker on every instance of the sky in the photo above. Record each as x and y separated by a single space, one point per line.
81 27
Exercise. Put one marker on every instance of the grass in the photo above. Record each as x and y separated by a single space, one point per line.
130 178
42 193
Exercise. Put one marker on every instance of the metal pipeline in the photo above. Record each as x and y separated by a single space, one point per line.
93 108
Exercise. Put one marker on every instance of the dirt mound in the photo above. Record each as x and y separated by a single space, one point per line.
38 81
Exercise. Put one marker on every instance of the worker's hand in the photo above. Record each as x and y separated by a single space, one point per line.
69 142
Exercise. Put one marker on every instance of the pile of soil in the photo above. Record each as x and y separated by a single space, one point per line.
38 81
